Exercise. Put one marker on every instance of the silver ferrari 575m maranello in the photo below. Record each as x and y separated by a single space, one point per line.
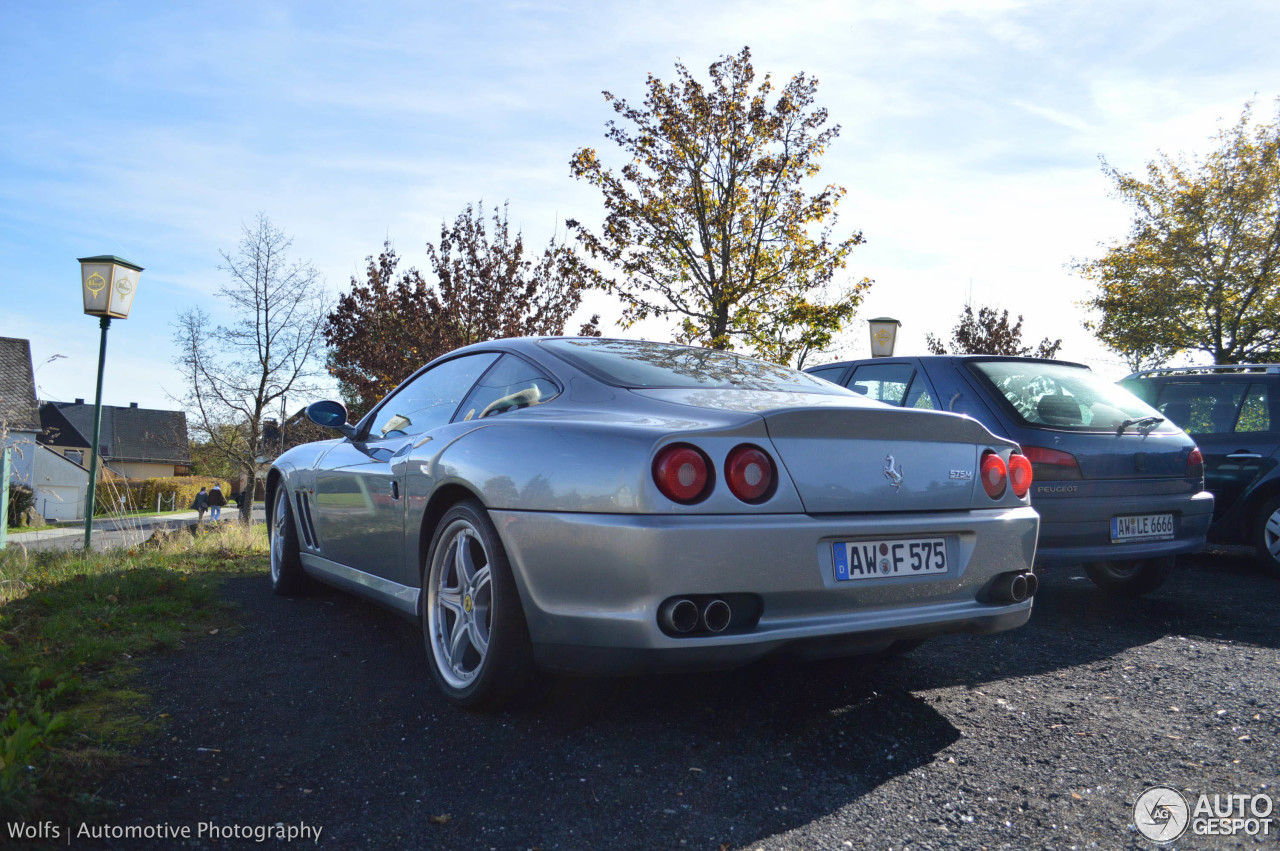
618 506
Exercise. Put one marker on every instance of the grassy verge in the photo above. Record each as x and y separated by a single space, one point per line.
70 629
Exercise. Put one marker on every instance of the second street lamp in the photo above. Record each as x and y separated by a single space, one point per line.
108 285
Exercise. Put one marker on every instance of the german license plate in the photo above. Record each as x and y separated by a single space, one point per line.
1141 527
881 559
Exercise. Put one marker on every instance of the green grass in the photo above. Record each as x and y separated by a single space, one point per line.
71 630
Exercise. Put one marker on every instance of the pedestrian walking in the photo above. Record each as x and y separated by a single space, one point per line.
216 501
201 504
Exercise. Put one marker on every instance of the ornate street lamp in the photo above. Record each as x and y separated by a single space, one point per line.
108 285
884 334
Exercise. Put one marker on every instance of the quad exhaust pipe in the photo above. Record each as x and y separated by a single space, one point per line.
1014 587
716 615
681 616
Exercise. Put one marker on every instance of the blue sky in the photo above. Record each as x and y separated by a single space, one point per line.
970 142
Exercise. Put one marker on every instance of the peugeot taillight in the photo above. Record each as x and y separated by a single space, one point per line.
749 472
683 473
1195 464
994 474
1020 475
1052 465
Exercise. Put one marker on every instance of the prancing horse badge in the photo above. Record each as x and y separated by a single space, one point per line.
892 472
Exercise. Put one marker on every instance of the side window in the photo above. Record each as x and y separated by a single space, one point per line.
883 382
919 396
828 373
1202 407
1255 415
512 384
430 399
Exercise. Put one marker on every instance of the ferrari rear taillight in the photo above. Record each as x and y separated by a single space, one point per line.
749 472
683 473
1195 463
1052 465
1020 475
994 474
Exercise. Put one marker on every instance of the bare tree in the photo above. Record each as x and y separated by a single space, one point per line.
236 373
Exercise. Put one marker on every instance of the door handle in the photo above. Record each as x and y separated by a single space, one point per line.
1243 454
395 489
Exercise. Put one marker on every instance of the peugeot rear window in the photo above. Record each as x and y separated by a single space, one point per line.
641 364
1067 397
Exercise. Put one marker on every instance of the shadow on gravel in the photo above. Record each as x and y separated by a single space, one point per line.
322 711
1214 596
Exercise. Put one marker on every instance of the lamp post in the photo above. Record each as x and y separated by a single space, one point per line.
108 284
884 334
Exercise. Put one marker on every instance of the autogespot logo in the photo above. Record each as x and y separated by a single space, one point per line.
1161 814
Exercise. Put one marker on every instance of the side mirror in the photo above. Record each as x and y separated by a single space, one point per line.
331 414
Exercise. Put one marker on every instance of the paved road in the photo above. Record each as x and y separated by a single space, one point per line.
112 534
320 713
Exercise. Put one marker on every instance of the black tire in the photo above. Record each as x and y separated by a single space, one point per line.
287 576
473 625
1131 578
901 647
1266 535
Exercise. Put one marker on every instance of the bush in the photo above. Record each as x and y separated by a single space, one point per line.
140 494
21 498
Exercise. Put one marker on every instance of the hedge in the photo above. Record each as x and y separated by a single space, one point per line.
140 494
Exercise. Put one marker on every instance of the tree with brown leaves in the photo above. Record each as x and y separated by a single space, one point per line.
391 323
989 333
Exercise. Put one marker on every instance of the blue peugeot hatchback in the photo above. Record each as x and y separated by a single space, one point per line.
1119 488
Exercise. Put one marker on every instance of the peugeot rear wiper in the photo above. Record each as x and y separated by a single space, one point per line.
1141 423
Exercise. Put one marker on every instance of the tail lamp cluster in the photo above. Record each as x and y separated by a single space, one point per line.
1195 464
684 473
996 475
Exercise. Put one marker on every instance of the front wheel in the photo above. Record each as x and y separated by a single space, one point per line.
1266 535
1131 578
287 576
472 623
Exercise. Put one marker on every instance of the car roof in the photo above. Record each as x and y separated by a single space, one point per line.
1213 369
955 358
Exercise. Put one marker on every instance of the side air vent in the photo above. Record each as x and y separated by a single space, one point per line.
304 520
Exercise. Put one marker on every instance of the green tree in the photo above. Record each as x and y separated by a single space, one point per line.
710 222
391 323
989 333
1198 271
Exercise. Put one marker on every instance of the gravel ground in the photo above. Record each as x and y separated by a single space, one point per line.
320 712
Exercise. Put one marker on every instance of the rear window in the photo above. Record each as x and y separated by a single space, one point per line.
1065 397
642 364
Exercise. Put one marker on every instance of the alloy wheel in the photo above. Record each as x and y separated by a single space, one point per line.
460 613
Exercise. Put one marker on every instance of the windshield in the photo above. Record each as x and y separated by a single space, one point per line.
1068 397
642 364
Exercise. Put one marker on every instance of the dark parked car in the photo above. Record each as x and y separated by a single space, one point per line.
1233 412
1119 488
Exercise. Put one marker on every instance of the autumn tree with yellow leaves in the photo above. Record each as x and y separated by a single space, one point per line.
709 222
1200 270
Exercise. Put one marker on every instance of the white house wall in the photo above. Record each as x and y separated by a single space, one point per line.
59 486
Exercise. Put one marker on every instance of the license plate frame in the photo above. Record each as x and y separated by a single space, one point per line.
894 558
1134 528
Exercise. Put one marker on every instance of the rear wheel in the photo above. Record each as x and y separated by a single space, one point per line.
287 576
1266 535
472 623
1130 578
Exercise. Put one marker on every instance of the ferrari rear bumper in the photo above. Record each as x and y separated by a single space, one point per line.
592 584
